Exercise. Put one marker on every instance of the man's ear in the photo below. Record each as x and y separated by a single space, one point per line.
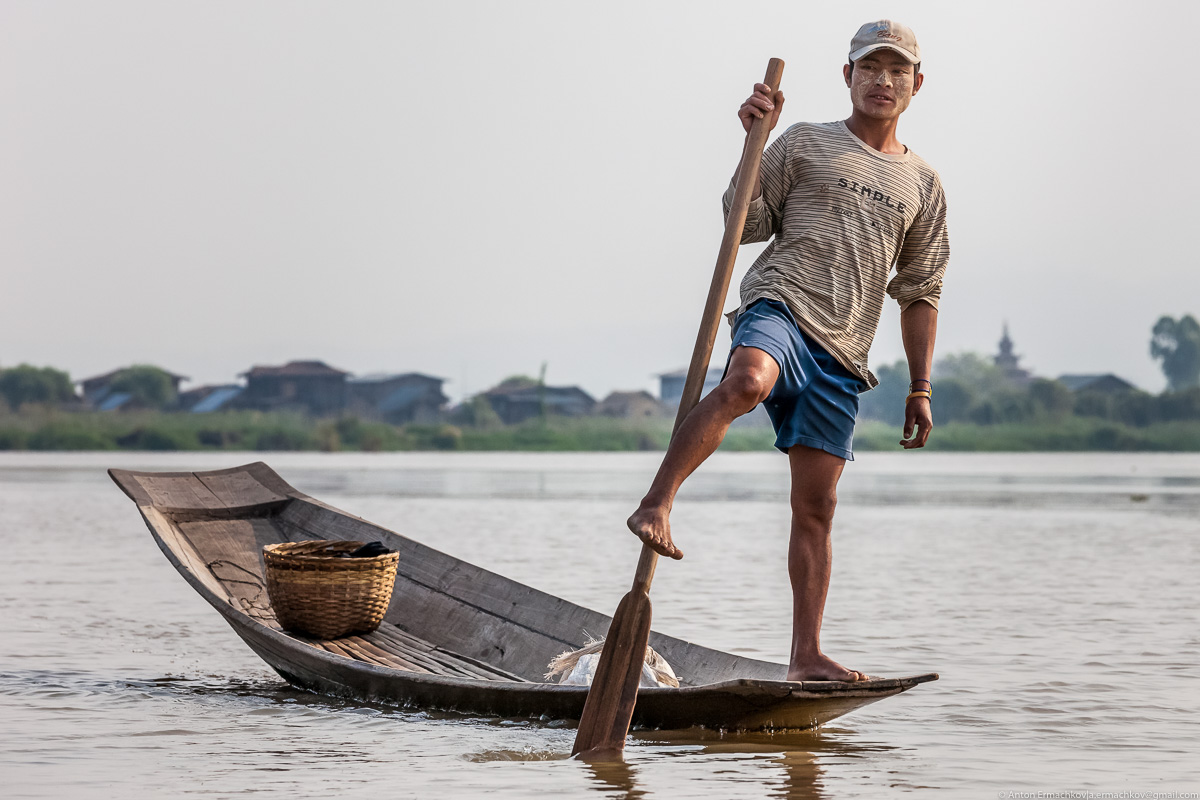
846 72
917 81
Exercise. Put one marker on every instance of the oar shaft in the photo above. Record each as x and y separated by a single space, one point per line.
710 323
645 570
608 710
727 256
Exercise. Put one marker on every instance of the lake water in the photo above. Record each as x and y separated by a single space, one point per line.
1055 594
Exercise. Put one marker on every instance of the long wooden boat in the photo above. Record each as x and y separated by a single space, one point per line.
456 637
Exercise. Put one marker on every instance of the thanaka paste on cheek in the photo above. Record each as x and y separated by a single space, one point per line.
899 89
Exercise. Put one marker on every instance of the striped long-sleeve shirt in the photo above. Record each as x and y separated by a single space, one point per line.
842 215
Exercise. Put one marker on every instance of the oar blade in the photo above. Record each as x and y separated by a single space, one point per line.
613 694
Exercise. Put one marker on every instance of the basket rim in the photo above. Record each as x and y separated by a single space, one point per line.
276 550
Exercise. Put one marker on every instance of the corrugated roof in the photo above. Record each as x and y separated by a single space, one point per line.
551 394
217 399
1078 383
402 398
295 369
512 387
616 397
110 375
114 401
384 377
714 373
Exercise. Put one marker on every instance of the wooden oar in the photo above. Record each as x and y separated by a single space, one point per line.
609 707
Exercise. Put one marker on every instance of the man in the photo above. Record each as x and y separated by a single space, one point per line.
845 202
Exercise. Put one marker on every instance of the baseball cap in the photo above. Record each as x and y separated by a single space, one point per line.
885 33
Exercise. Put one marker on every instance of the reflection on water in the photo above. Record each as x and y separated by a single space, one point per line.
803 776
617 777
792 774
790 764
1055 595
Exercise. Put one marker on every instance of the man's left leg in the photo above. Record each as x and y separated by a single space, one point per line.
815 475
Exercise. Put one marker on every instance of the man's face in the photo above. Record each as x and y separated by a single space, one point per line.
882 84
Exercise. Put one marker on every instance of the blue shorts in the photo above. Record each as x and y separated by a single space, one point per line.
815 400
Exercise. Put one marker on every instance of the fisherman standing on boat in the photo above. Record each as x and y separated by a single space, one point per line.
845 202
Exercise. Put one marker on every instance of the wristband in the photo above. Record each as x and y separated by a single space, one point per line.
925 394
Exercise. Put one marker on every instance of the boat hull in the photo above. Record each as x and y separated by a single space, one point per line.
210 523
733 705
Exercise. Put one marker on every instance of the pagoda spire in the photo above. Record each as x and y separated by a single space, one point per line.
1009 361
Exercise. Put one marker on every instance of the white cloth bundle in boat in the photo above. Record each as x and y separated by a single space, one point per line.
578 667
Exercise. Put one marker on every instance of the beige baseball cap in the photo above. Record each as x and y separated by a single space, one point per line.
885 33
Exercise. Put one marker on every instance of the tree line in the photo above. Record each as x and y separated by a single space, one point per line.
26 385
970 388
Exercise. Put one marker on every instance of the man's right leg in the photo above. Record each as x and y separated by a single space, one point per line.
748 380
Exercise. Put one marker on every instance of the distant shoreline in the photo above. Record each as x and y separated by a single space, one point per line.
47 430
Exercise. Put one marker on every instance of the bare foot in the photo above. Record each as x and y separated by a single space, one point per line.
651 525
823 668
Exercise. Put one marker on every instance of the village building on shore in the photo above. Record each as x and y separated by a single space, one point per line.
515 401
630 405
398 399
99 393
315 388
309 386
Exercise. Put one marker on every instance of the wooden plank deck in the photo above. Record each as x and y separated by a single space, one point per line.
388 646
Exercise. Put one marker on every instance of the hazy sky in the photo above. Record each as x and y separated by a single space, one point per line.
469 189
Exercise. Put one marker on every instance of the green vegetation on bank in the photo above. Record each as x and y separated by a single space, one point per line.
256 431
1073 435
25 384
979 403
36 429
967 388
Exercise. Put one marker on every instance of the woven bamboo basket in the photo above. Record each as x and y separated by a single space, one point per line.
313 591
